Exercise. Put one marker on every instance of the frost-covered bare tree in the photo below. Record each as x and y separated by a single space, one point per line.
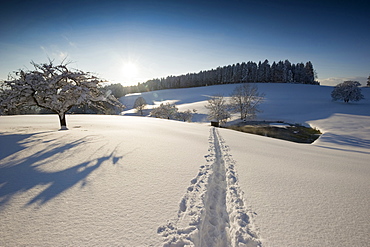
218 109
166 111
54 87
140 105
347 91
245 100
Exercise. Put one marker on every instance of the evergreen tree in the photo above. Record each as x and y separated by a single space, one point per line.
243 72
237 73
266 71
309 74
273 72
263 71
252 72
287 73
260 74
298 76
279 72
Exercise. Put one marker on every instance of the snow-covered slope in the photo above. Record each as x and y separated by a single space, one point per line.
137 181
294 103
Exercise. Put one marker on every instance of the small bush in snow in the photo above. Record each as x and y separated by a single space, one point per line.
169 111
347 91
185 116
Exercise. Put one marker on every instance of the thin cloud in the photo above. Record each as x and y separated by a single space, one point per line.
333 81
54 53
70 43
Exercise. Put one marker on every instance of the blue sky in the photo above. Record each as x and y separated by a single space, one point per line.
161 38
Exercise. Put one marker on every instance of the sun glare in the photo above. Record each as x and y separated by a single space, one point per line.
129 70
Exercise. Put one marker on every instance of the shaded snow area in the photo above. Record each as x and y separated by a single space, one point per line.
139 181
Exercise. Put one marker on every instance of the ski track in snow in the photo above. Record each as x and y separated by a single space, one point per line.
213 211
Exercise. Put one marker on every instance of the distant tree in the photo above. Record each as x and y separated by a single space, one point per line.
309 73
299 73
218 109
54 87
140 105
368 81
347 91
279 72
287 72
166 111
116 90
237 73
245 100
252 72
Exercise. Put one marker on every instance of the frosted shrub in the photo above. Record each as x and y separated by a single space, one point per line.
217 107
347 91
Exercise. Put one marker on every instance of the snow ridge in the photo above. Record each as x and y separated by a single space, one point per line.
212 211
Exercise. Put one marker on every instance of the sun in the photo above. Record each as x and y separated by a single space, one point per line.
130 70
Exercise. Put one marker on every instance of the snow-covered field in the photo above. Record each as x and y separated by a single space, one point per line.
138 181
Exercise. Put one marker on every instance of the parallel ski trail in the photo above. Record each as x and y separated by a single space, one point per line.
212 211
214 228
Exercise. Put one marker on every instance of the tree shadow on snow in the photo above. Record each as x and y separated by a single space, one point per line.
10 144
20 175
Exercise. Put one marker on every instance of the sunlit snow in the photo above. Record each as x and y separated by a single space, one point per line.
140 181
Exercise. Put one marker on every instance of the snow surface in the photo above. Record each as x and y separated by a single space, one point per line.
138 181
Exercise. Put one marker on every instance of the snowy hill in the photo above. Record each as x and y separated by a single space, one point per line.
290 102
293 103
137 181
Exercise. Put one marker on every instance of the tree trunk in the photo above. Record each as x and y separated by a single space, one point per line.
62 120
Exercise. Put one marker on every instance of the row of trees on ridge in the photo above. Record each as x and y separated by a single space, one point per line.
279 72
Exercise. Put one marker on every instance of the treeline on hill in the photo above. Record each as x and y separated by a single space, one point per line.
280 72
